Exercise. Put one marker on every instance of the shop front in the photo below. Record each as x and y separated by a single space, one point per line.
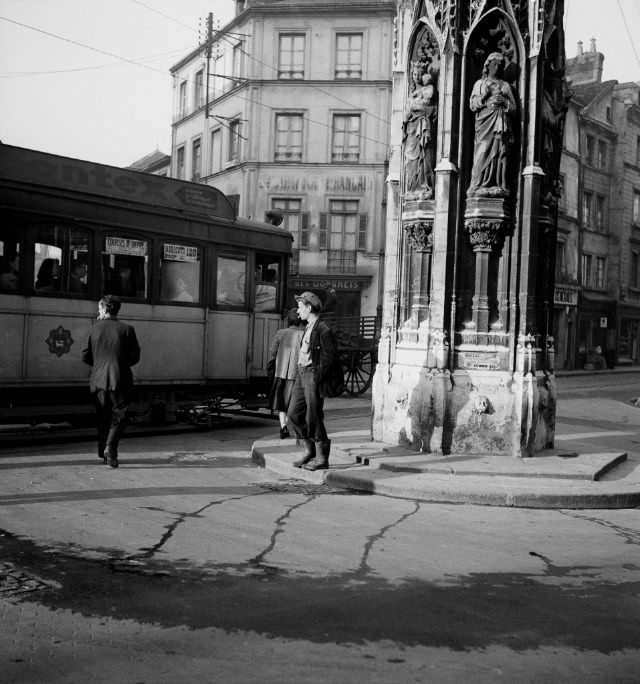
597 332
340 296
565 313
629 335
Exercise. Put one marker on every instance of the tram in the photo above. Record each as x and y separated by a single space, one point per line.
204 289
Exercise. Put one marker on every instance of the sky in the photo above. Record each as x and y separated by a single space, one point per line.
67 88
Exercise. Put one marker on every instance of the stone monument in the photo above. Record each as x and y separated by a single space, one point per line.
466 357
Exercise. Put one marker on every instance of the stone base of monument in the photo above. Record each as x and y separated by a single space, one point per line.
480 410
554 478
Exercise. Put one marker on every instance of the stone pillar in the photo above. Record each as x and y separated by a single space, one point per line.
466 359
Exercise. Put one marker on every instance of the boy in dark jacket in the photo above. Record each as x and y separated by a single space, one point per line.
316 358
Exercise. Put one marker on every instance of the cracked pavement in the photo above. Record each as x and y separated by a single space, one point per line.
188 563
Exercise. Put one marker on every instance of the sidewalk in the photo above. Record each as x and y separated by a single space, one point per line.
588 469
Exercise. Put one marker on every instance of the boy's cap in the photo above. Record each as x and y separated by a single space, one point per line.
310 298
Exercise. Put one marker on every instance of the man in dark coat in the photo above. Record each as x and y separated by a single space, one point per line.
111 350
316 359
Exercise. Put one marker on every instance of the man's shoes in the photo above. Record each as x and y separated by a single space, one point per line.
111 457
284 432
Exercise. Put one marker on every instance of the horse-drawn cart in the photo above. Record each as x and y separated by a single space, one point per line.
357 340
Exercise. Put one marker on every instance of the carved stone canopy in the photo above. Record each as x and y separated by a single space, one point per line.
420 235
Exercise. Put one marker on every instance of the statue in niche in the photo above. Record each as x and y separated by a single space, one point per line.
418 131
493 102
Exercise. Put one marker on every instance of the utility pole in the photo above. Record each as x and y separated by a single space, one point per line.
209 46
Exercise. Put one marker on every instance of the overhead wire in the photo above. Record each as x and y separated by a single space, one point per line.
164 73
626 25
150 58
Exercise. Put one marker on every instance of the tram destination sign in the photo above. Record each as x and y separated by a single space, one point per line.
180 253
116 245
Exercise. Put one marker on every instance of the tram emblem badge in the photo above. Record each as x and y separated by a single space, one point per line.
59 341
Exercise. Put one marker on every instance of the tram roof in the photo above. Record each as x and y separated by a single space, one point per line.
19 164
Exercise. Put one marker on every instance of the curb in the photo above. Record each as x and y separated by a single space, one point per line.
486 490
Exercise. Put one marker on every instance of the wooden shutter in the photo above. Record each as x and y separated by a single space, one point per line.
362 231
322 230
304 231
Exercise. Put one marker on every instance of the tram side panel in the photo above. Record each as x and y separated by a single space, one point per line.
42 339
172 342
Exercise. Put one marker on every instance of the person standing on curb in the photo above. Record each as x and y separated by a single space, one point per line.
319 375
112 349
284 354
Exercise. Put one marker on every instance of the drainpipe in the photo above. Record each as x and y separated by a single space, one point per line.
383 241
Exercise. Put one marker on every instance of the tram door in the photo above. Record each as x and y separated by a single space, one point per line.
228 331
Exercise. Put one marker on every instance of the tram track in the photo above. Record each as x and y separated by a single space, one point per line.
61 433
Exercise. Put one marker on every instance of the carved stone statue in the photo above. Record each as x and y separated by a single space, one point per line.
418 132
494 104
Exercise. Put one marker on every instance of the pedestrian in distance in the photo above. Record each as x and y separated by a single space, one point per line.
319 375
111 350
283 356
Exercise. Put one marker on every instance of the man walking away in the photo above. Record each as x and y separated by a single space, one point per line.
112 349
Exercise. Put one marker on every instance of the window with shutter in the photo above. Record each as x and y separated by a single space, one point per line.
304 231
322 231
362 231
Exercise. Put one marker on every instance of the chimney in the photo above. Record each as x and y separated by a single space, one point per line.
585 67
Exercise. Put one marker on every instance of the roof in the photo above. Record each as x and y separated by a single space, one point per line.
587 93
151 160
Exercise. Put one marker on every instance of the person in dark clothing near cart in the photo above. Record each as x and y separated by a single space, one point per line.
283 354
112 349
319 375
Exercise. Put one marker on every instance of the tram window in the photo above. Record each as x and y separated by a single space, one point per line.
125 265
231 279
180 273
10 262
267 283
61 262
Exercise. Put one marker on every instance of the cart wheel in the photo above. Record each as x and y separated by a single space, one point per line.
358 372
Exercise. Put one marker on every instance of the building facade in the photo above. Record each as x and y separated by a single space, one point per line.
596 299
286 110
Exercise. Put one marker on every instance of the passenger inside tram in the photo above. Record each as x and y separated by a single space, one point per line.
78 277
10 272
48 279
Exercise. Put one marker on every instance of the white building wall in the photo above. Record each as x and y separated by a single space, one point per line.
315 180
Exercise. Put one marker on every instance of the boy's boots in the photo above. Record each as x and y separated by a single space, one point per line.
321 461
309 453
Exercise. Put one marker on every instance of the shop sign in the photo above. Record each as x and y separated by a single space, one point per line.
358 185
180 253
318 284
115 245
565 297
